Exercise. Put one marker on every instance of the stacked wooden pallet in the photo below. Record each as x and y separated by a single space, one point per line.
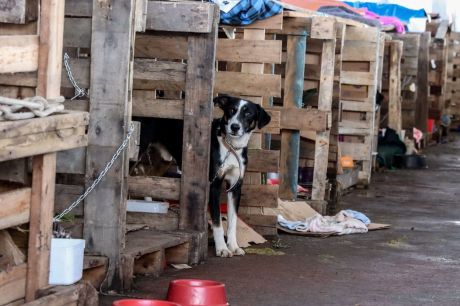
359 81
453 75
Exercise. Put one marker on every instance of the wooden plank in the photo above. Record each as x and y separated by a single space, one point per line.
249 51
65 296
79 8
152 74
19 29
442 30
13 129
145 104
112 42
10 254
394 92
290 140
180 17
28 79
41 216
272 23
263 160
322 27
359 151
267 196
13 284
141 15
303 119
324 104
18 53
18 11
357 78
195 149
359 51
155 187
161 45
248 84
77 32
15 207
356 106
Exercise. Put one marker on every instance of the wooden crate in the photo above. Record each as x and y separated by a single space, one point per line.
359 81
31 65
453 75
172 56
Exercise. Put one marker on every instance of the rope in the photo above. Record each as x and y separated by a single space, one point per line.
16 109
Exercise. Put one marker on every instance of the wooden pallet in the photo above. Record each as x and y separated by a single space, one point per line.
147 252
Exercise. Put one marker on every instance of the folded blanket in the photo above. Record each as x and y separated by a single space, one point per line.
244 12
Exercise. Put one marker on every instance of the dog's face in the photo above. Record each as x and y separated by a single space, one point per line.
241 116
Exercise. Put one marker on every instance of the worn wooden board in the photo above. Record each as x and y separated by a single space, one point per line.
77 32
249 51
146 105
161 45
162 75
18 53
15 207
13 284
18 11
79 8
186 17
263 160
249 84
156 187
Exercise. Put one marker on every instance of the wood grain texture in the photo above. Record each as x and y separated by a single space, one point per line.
248 84
421 111
18 11
13 284
15 207
161 188
249 51
18 53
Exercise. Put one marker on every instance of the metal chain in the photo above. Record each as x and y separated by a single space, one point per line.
79 92
100 176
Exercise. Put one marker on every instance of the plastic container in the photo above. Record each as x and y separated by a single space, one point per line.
430 125
140 302
66 261
147 206
194 292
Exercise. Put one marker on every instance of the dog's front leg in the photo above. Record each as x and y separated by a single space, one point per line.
233 203
217 229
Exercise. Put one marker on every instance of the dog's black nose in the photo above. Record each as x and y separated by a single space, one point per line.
235 127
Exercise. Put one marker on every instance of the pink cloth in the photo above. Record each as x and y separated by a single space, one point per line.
385 20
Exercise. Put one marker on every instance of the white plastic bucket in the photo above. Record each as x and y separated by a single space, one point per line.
66 261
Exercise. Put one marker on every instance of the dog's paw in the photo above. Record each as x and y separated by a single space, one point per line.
224 253
239 252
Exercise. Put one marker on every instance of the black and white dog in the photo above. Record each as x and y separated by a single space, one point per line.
229 140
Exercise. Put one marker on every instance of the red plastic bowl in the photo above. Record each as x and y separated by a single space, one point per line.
194 292
135 302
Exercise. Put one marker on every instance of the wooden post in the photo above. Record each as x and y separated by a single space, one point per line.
198 107
44 166
110 108
324 104
421 110
293 92
394 90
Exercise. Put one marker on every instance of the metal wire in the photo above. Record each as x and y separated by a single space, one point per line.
100 176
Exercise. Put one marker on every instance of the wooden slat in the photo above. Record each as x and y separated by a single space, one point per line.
77 32
161 45
141 15
394 92
421 111
18 11
272 23
28 79
357 78
156 187
198 117
267 195
18 53
263 160
249 84
303 119
145 104
12 129
186 17
111 77
14 207
19 29
13 284
249 51
79 8
358 151
359 51
152 74
356 106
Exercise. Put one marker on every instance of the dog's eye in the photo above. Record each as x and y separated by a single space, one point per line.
231 111
248 114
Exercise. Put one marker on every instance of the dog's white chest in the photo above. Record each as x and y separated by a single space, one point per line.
232 167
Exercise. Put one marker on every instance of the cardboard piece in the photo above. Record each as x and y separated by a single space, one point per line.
245 235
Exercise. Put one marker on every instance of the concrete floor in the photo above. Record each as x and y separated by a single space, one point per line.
416 262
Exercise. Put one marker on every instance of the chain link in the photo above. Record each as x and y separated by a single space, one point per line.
100 176
79 92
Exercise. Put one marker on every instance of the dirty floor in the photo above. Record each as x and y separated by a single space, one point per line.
416 262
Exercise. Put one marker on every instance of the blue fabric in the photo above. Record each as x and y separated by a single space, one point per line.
248 11
360 216
394 10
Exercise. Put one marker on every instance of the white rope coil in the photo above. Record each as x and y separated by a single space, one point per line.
16 109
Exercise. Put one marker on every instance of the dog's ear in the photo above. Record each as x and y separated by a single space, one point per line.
263 118
221 100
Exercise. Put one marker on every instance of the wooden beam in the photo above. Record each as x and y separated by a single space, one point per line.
161 188
10 254
394 91
184 17
290 139
77 32
421 110
324 104
249 51
162 75
248 84
263 160
41 220
112 42
198 107
18 53
15 207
